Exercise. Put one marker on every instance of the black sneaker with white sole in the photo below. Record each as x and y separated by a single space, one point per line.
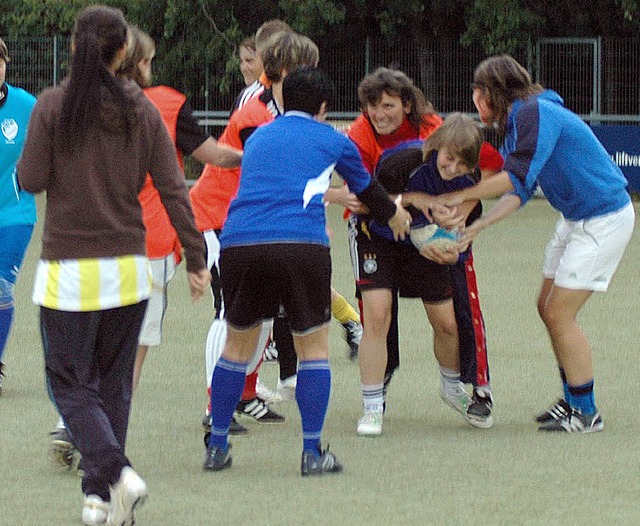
353 335
258 410
234 429
479 410
557 411
319 464
575 422
216 458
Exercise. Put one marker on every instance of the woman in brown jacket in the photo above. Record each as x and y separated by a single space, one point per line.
90 144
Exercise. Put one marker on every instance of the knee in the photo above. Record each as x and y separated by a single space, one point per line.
6 293
445 329
541 305
552 315
376 323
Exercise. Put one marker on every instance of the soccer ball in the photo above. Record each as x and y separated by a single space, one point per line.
433 235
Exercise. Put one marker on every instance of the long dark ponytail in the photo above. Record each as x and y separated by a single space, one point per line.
99 33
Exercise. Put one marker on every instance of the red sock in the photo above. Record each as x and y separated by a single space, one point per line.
250 382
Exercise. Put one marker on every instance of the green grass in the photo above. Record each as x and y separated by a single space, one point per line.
429 467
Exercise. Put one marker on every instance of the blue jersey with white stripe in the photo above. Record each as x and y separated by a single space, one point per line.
286 169
547 144
17 207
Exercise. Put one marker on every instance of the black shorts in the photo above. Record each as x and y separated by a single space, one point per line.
385 264
256 279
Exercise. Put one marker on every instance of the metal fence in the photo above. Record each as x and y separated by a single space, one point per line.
598 78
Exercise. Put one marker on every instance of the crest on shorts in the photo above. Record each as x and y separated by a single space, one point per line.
9 129
370 265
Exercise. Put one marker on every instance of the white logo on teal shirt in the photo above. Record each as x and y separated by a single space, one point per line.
9 129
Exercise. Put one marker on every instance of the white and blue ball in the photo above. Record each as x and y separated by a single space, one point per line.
433 235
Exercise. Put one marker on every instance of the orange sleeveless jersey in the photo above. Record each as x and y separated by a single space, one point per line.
216 187
371 145
162 239
361 132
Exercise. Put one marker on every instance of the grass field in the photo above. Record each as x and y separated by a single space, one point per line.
428 468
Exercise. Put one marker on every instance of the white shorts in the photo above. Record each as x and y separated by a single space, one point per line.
213 248
213 264
162 272
584 255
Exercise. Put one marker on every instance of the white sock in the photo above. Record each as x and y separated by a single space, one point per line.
372 398
450 379
214 346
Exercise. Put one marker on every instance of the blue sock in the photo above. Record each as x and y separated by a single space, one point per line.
565 385
227 383
6 316
312 395
582 398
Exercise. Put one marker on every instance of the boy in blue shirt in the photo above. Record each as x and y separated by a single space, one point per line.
275 250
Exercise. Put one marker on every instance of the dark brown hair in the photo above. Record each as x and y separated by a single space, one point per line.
99 33
503 80
395 83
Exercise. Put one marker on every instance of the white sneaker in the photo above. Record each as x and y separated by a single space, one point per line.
126 494
370 424
457 399
286 389
94 511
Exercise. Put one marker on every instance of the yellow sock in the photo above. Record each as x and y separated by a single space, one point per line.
342 310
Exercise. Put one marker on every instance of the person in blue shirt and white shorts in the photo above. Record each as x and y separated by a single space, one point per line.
547 145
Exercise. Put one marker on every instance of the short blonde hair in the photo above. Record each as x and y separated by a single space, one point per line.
141 46
268 29
287 51
460 134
